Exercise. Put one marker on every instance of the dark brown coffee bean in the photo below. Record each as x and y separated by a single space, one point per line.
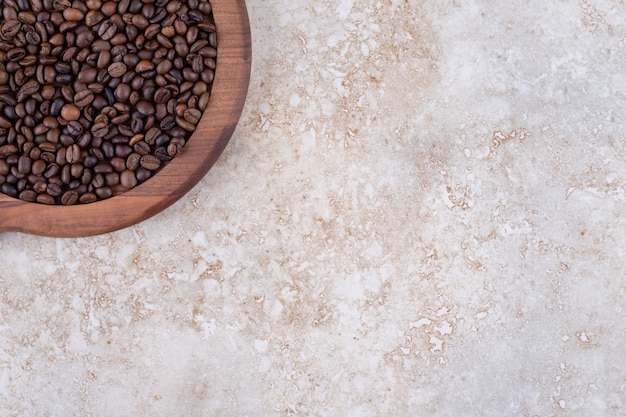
87 76
168 122
15 54
54 190
174 149
45 199
117 69
10 28
93 17
69 198
28 195
73 14
24 164
88 198
189 127
38 167
5 123
145 107
150 162
85 39
142 148
133 161
118 164
10 149
128 179
152 30
104 192
83 98
192 116
61 4
75 129
112 179
72 154
107 28
122 92
143 174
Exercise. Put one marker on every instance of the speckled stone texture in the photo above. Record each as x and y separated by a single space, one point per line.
421 213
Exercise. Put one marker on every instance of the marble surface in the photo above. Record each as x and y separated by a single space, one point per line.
422 213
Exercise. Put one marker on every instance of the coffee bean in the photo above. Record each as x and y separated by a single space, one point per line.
6 150
192 116
116 69
5 123
72 14
69 198
93 17
45 199
83 98
183 123
54 189
70 112
128 179
85 39
88 198
61 4
28 195
72 154
24 164
107 29
150 162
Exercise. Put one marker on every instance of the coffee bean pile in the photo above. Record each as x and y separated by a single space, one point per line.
96 96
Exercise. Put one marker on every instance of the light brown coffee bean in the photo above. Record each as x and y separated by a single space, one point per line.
70 112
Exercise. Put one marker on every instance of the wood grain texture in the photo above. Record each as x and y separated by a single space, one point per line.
212 134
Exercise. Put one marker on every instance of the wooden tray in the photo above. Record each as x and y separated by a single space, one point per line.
220 118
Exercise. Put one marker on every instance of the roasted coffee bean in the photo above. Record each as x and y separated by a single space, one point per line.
28 195
9 149
24 164
116 69
142 148
150 162
75 129
93 17
69 198
189 127
192 116
70 112
38 167
45 199
83 98
54 189
128 179
107 29
72 154
61 4
88 198
72 14
104 192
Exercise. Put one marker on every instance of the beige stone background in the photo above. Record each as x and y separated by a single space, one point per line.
421 213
